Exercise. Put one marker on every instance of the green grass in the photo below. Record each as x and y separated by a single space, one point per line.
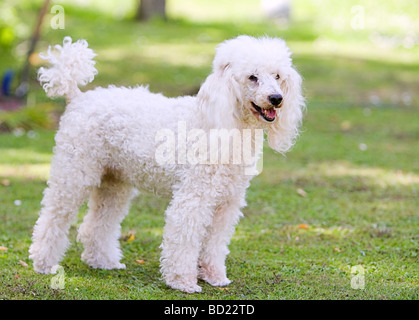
356 161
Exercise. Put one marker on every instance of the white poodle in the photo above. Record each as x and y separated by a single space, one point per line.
106 148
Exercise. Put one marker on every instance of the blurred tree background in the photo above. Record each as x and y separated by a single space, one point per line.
148 9
348 52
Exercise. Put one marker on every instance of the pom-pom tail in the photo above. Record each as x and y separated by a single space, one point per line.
72 65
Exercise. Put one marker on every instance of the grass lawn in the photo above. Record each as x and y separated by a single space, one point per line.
345 196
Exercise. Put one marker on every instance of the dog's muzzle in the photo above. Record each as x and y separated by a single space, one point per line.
267 114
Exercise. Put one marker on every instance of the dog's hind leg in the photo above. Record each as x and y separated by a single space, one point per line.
101 227
66 192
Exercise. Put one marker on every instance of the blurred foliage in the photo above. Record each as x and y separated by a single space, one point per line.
349 53
8 23
30 117
323 17
13 25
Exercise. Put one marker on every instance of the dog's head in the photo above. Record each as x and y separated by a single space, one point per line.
253 84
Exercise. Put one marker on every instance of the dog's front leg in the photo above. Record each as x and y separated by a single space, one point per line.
187 218
215 245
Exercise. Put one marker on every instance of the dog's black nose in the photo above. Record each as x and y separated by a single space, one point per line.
275 99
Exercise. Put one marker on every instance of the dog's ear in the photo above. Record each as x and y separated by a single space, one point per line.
219 96
284 131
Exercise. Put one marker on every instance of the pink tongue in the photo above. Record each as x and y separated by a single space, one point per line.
271 113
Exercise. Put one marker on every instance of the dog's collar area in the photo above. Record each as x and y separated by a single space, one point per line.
267 114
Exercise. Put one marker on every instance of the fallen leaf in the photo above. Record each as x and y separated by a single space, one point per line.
130 236
23 263
301 192
346 125
3 249
140 261
303 226
337 250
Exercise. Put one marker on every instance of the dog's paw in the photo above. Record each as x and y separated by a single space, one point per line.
183 284
44 269
218 282
214 277
188 288
194 288
116 265
106 264
42 265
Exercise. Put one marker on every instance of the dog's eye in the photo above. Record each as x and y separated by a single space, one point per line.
253 78
277 77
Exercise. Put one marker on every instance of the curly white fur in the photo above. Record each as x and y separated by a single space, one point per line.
72 66
106 146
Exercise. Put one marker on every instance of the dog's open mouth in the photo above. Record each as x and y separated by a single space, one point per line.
267 114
